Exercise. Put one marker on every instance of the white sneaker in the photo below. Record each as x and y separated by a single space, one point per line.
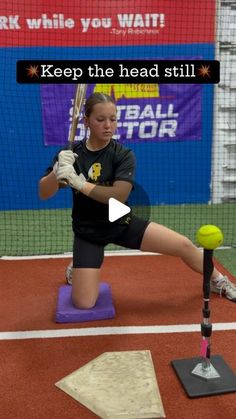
224 287
68 273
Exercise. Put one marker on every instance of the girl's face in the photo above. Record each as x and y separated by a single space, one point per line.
102 122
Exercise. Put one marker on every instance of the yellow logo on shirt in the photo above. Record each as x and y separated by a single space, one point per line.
95 171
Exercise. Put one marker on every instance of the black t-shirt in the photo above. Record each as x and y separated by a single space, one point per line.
102 167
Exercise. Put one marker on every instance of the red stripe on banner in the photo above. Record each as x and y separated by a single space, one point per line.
105 23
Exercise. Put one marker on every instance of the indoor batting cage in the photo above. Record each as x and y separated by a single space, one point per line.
117 208
183 134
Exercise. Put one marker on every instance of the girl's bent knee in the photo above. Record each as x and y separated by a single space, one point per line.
186 245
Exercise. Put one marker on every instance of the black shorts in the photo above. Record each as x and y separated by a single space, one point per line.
88 252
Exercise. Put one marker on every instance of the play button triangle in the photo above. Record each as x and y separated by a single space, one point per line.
116 209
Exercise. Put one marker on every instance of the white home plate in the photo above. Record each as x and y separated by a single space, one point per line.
117 385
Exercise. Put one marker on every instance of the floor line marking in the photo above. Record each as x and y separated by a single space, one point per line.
102 331
69 255
128 252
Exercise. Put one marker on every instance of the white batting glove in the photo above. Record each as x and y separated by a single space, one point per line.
66 157
68 174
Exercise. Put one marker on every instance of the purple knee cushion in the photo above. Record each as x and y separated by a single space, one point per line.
66 312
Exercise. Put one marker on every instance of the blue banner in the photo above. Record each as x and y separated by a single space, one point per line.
145 112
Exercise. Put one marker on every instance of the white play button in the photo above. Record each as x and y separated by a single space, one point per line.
116 210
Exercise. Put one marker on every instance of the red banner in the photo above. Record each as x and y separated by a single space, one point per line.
106 22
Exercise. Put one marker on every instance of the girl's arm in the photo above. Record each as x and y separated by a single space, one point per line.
48 186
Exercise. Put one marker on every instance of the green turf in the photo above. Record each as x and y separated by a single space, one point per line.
49 231
35 232
227 257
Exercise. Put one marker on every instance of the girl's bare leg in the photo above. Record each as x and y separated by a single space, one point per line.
160 239
85 287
